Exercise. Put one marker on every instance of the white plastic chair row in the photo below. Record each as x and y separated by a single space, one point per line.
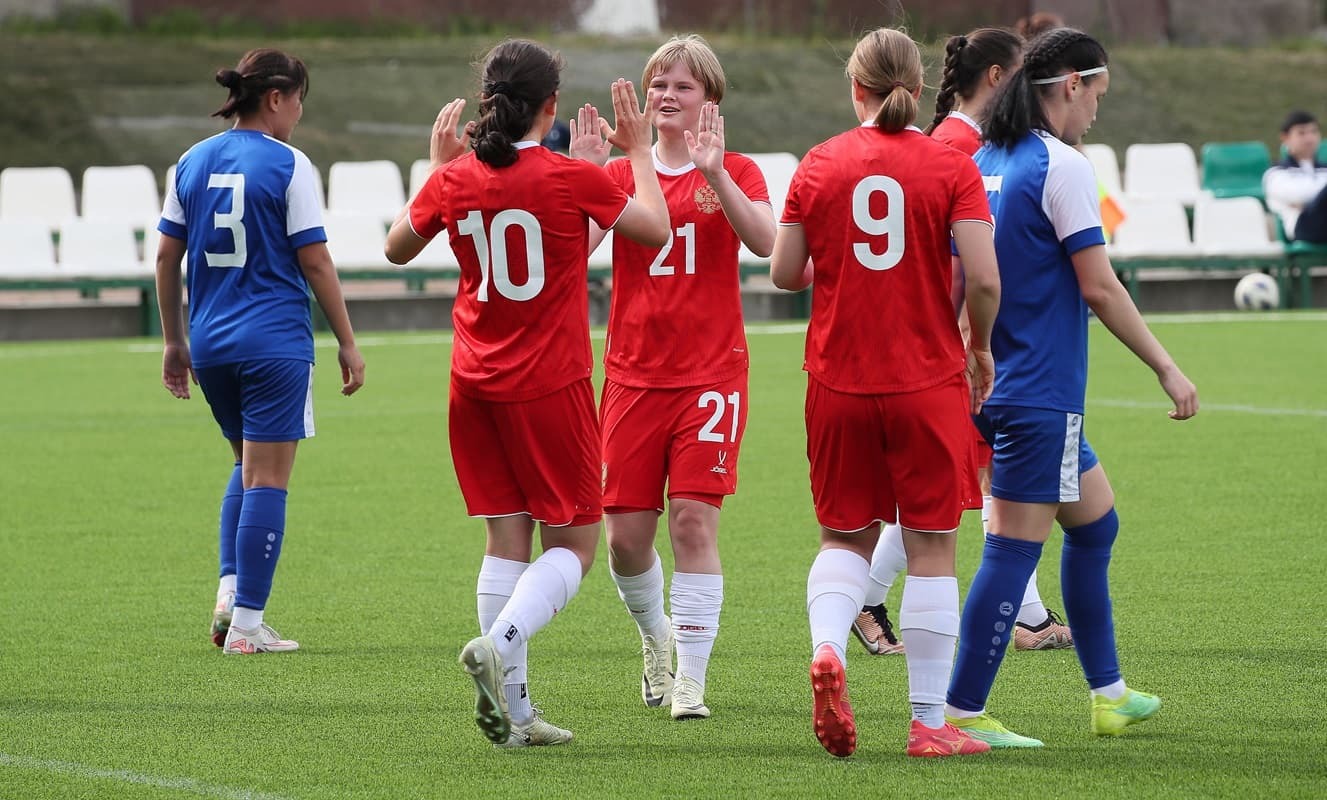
1152 172
110 194
88 248
1222 227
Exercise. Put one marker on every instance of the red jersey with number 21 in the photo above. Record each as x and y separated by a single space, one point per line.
676 313
521 235
876 209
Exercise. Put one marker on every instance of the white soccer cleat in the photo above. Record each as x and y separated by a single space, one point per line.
482 662
689 699
221 615
538 732
241 642
656 681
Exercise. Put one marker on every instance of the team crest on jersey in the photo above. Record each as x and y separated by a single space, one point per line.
707 200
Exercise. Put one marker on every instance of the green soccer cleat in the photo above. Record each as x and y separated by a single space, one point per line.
989 730
1111 717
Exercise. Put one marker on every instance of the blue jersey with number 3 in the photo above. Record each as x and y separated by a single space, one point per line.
1043 196
244 203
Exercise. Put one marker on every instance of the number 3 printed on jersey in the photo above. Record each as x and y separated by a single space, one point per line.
232 220
491 247
890 225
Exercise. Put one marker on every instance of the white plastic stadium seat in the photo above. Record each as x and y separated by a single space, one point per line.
1105 165
1161 172
26 249
419 172
1155 228
120 194
43 193
1233 226
366 188
356 241
98 247
778 169
602 257
437 254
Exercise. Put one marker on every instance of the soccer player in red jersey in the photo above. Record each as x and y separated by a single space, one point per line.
675 395
521 419
869 218
974 66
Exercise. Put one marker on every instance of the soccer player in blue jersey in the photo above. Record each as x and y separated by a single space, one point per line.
244 206
1052 256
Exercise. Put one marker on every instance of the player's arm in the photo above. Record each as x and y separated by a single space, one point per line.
645 219
1110 301
445 144
316 264
752 221
790 265
176 366
981 294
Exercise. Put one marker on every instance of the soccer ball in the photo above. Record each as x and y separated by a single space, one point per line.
1257 291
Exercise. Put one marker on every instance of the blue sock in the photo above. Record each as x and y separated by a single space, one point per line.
231 502
258 544
988 618
1083 565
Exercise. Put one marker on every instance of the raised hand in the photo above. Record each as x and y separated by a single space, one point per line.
588 136
706 146
633 130
445 144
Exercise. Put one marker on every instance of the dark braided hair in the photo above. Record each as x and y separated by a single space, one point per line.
258 72
1016 108
518 77
967 58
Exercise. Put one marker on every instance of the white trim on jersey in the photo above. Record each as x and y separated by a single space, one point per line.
303 210
664 169
1073 432
1069 197
171 209
961 117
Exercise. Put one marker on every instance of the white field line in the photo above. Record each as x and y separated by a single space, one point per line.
1211 407
125 776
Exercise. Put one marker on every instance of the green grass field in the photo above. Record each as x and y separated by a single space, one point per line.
110 688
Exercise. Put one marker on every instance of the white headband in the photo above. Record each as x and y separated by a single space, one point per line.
1059 78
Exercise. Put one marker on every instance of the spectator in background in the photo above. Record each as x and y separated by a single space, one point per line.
1295 187
1031 26
558 138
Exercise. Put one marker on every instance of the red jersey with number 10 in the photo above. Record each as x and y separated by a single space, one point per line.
876 209
521 235
676 313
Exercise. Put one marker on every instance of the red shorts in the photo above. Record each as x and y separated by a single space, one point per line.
538 457
686 438
983 449
891 457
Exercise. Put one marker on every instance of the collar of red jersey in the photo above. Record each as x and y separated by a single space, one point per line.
965 118
870 123
524 144
664 169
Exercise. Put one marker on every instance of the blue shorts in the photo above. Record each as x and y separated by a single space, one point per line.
1038 454
261 401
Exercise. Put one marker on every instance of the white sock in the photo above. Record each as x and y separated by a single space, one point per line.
544 589
246 619
497 581
1032 613
888 560
835 593
696 600
987 502
643 596
1112 691
227 585
928 620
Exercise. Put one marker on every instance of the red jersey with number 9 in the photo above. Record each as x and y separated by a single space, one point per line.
521 236
676 314
876 209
